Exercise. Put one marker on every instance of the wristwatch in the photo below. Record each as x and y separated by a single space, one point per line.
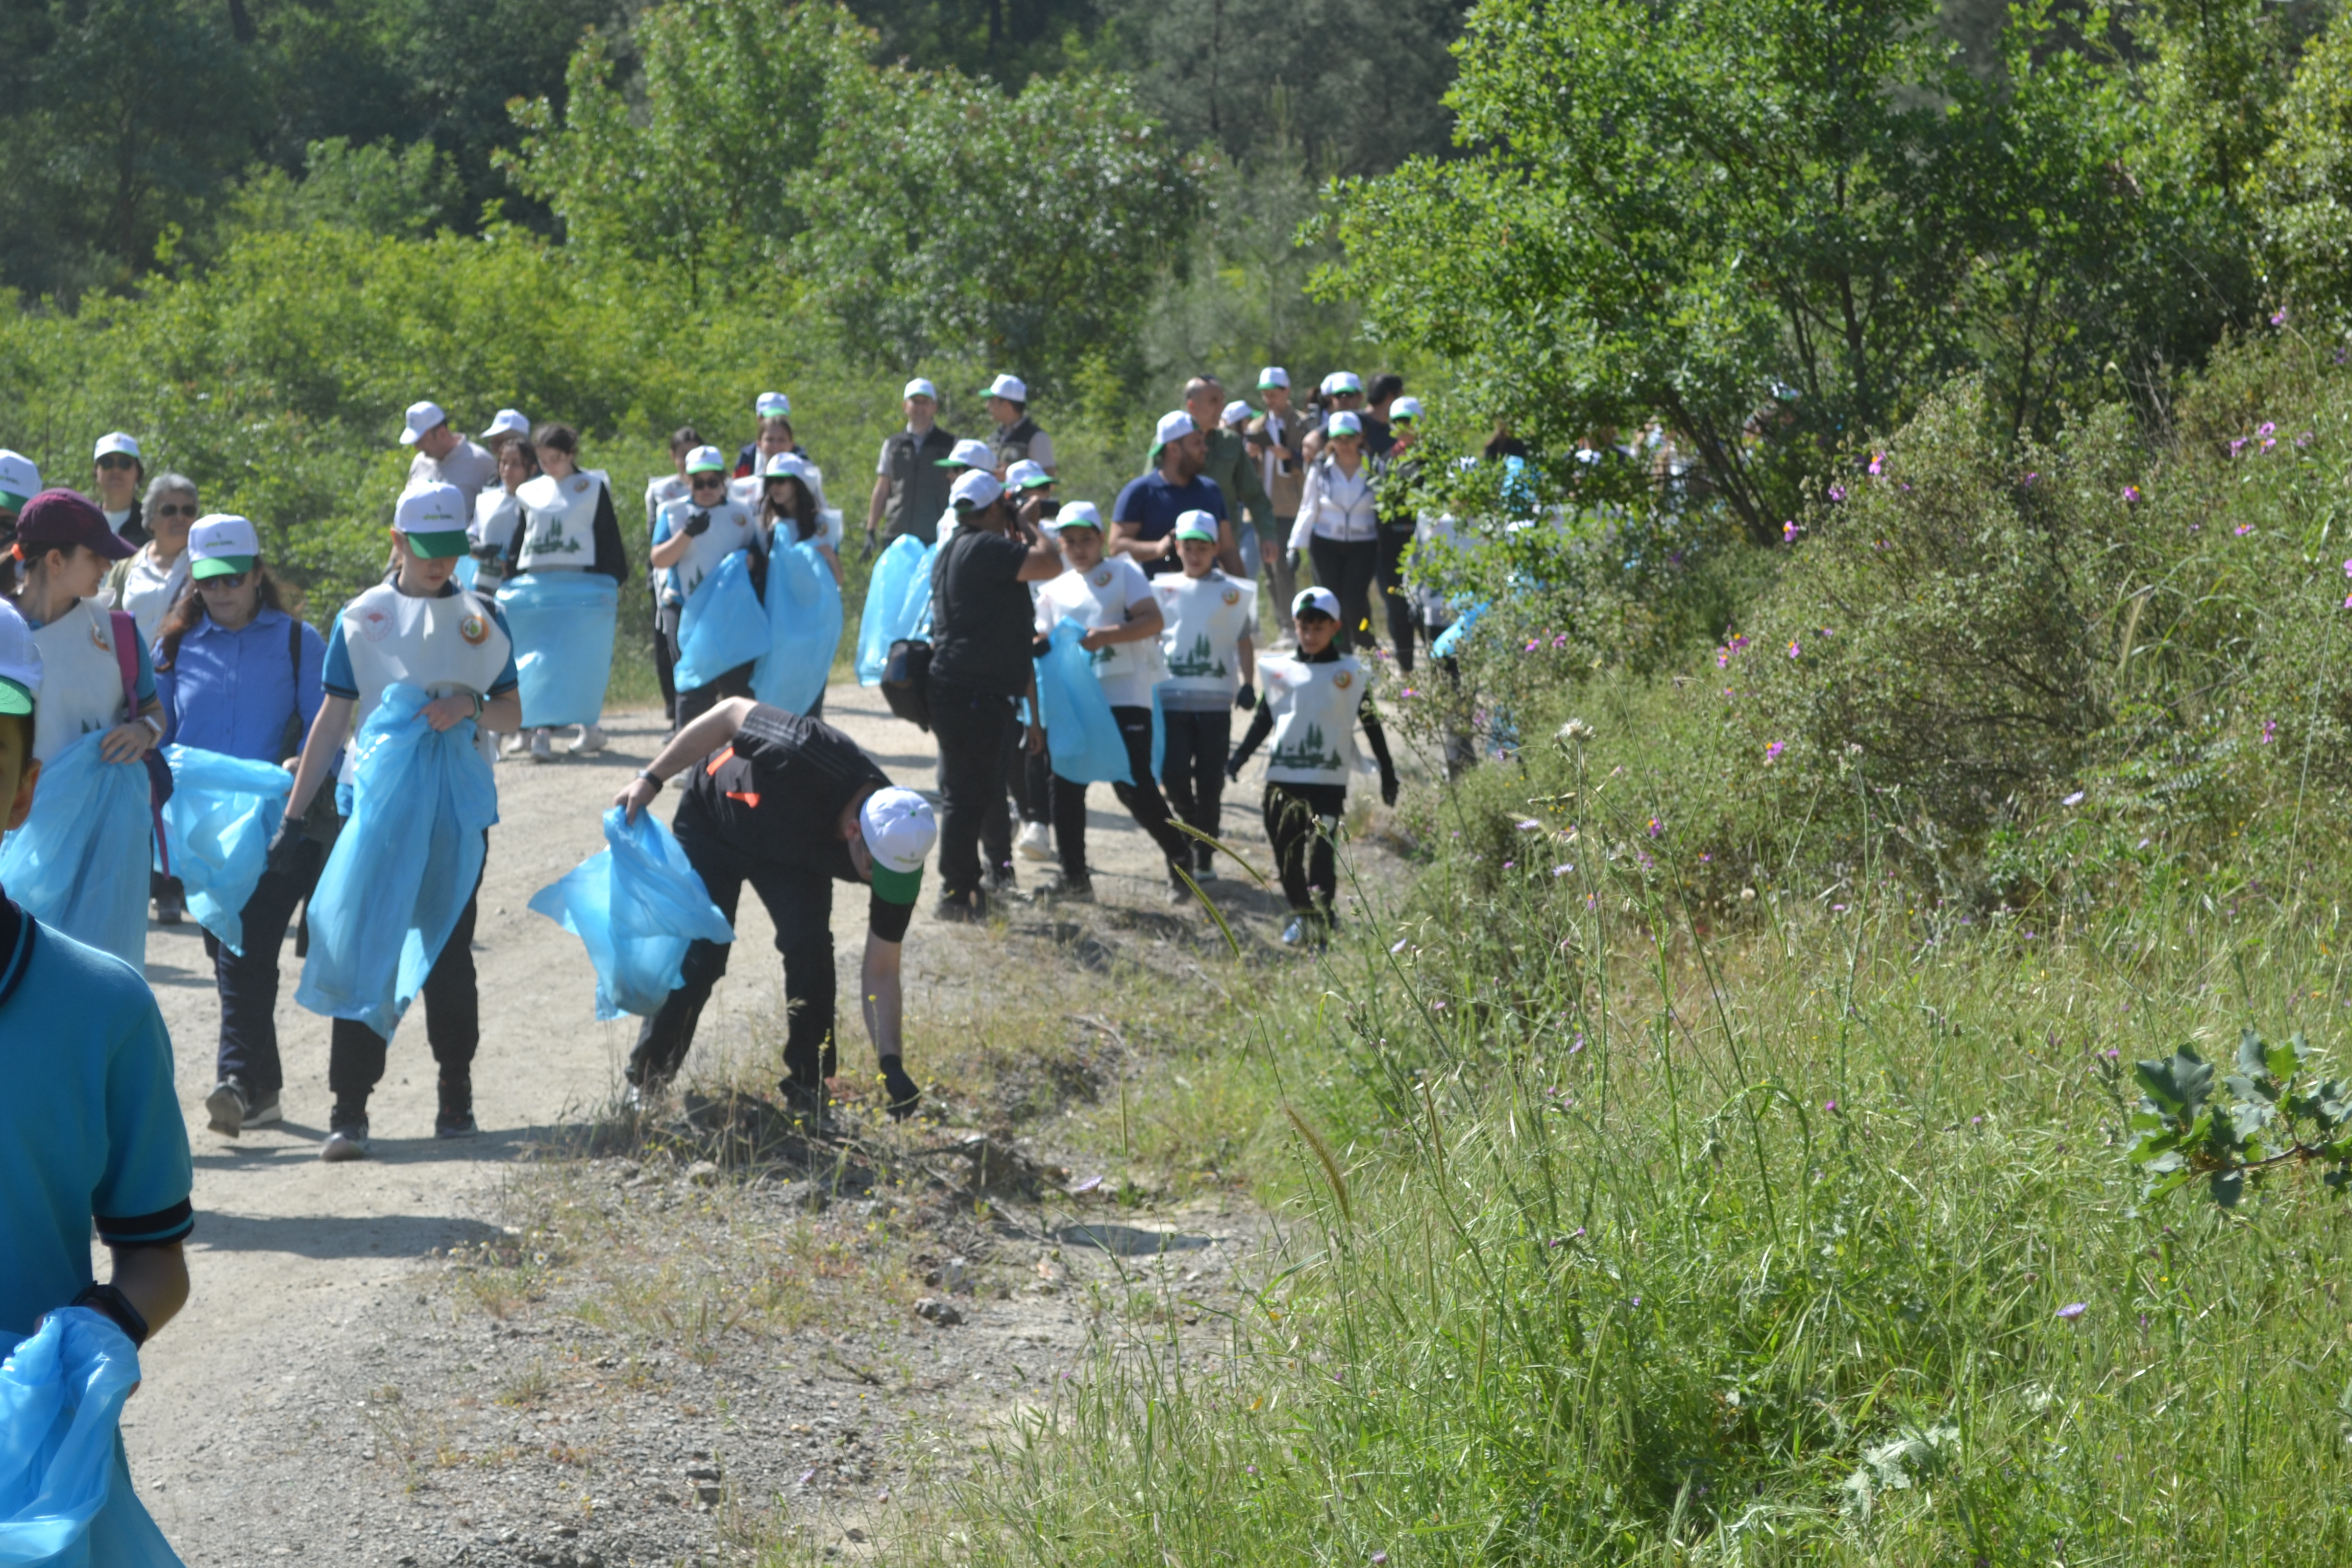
652 778
110 1301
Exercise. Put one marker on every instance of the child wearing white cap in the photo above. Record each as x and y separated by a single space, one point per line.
692 538
1314 702
660 490
1211 663
421 629
568 525
791 805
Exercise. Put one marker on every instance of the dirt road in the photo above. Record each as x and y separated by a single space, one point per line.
292 1257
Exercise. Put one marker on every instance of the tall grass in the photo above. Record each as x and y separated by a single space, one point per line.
1627 1240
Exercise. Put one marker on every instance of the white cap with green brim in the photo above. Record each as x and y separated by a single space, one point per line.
1078 514
898 828
20 480
1319 601
706 461
1172 427
1196 524
1343 423
772 406
117 444
20 663
918 387
969 454
978 488
431 518
1010 388
786 466
1237 412
222 544
1026 474
1340 382
1273 376
1404 409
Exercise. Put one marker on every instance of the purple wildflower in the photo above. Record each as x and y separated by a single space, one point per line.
2074 1310
2278 317
1877 463
1788 531
2131 495
1837 492
2075 799
1795 647
1657 828
1561 870
2267 427
1527 824
1773 752
2270 731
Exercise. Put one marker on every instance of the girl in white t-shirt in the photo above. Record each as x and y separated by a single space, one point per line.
1212 668
692 538
1112 597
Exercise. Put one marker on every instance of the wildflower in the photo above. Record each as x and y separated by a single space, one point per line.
1704 858
1657 828
2270 731
808 1474
2131 495
1531 648
1795 647
1571 1051
1975 1122
1837 492
2031 475
1251 1469
2278 317
2074 1310
1877 463
2266 428
1409 692
1380 1556
1527 824
1788 531
1561 870
1507 865
1089 1185
1829 1105
2237 444
1398 948
1773 752
2075 799
2303 439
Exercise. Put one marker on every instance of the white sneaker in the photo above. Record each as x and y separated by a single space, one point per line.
542 749
590 742
1036 843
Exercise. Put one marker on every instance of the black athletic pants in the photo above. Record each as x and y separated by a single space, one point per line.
1194 770
1028 778
799 903
665 655
1143 802
974 730
1346 567
1393 543
249 983
1300 820
452 1022
696 700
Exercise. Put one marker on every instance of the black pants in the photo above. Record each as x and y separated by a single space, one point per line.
1393 543
1300 819
248 983
1347 568
973 728
1028 778
452 1022
1142 799
695 701
665 655
1194 770
799 903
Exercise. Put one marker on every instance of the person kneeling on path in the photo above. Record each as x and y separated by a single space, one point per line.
1111 597
1313 704
792 806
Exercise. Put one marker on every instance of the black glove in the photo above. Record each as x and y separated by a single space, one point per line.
1388 786
1041 648
285 846
1233 771
1246 697
697 525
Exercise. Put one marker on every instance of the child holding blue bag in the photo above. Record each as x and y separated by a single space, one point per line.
418 631
693 537
240 677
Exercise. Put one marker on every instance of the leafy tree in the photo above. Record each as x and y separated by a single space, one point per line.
1030 231
2303 188
376 188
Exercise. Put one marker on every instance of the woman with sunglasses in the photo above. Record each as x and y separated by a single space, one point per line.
237 675
692 538
117 470
151 583
1339 526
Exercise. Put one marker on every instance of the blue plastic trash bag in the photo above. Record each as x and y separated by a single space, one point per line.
804 630
468 572
80 863
65 1493
637 905
216 829
1449 641
562 627
404 867
1082 738
897 600
723 626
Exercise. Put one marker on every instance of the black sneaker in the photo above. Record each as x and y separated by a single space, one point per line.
456 1117
999 878
225 1108
1072 889
905 1093
347 1139
261 1108
964 907
809 1104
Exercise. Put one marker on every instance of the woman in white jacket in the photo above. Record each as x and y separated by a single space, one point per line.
1338 525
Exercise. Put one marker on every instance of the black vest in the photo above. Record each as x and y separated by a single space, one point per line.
1010 445
919 486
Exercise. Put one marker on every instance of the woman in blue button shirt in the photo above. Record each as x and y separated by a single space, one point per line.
239 676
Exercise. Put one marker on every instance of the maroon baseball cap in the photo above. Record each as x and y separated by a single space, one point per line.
60 518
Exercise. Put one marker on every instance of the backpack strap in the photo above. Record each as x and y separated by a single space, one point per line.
126 658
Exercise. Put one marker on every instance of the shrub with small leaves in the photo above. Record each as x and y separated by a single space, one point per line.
2276 1112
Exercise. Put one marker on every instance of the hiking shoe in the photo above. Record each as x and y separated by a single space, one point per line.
807 1103
456 1117
962 908
224 1108
346 1142
591 741
905 1094
998 878
543 748
1036 843
261 1110
1072 889
455 1124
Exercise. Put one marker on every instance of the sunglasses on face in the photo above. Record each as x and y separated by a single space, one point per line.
116 460
230 580
708 481
176 510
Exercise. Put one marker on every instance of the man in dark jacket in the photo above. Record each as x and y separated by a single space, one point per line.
1231 467
1017 438
910 487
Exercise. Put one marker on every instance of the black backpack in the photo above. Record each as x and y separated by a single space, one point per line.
907 681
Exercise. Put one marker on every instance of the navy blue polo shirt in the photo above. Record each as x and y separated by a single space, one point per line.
90 1132
1155 504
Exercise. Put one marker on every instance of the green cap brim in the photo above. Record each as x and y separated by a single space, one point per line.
221 566
897 886
11 501
1202 534
705 468
949 463
434 546
15 699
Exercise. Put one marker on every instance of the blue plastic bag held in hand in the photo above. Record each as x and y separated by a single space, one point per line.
80 863
216 829
1082 738
403 865
562 627
65 1494
897 600
638 906
804 628
723 626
